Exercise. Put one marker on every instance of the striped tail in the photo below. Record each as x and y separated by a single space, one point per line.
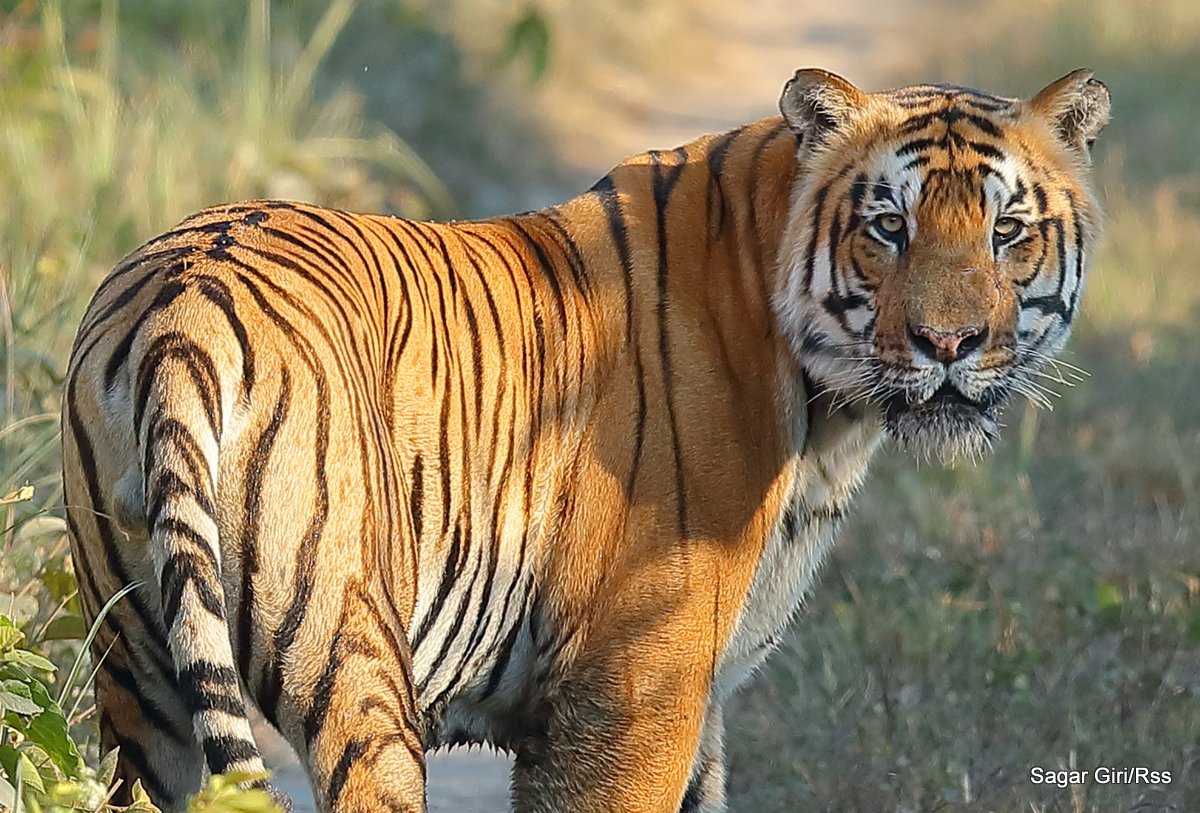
177 413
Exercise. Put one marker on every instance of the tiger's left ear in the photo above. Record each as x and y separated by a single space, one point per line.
1076 106
816 102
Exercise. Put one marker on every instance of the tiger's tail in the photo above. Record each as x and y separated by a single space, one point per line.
141 480
177 415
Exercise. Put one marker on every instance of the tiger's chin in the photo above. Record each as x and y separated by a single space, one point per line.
946 426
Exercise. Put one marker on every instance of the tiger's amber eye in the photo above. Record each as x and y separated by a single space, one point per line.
892 224
1007 227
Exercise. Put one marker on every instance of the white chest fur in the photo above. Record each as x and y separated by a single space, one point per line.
838 447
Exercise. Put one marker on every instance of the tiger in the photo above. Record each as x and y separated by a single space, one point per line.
554 482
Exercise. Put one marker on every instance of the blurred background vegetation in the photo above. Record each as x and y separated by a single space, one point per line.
1041 608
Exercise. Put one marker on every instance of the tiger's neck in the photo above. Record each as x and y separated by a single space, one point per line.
676 258
682 248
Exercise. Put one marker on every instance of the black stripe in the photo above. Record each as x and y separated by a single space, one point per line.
1019 194
1039 194
157 260
222 751
322 692
167 430
858 191
714 198
610 200
810 256
501 376
199 365
206 686
177 527
165 296
333 298
1077 226
150 622
662 185
986 150
450 572
353 751
306 556
168 485
256 469
916 145
148 708
217 292
180 570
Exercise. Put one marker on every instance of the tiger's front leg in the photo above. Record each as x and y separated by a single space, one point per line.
621 726
363 735
706 789
631 751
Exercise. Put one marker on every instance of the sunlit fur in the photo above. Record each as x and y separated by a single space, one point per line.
556 481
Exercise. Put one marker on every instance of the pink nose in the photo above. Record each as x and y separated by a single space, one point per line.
947 346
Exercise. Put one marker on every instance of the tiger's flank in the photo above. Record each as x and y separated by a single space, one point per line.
554 481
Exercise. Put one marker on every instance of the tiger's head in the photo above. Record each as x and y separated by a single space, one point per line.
936 246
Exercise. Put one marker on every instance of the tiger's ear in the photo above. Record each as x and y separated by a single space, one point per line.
1076 106
817 102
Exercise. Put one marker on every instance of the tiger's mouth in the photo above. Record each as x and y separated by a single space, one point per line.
947 424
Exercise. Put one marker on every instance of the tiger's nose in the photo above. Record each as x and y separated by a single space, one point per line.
947 346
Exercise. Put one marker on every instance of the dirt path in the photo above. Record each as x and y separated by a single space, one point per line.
723 64
460 781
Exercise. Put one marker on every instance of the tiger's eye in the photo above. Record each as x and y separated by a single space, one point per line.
892 224
1007 227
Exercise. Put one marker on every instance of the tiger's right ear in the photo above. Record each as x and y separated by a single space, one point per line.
816 102
1076 106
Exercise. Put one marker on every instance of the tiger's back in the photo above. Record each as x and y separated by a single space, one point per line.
554 481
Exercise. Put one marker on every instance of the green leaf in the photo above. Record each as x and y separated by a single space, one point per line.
58 582
8 794
10 636
22 494
30 660
529 36
28 774
52 734
141 800
226 794
15 696
67 627
107 768
8 759
1108 596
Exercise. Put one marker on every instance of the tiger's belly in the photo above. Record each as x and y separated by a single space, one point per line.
490 706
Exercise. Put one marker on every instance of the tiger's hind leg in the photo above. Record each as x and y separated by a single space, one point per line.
142 714
364 738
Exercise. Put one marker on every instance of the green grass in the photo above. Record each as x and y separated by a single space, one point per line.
1041 608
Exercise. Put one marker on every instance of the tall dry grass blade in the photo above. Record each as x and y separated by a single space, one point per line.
299 86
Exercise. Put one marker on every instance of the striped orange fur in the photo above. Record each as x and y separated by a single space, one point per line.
553 481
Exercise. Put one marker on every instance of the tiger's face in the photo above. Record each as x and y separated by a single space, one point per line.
936 247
